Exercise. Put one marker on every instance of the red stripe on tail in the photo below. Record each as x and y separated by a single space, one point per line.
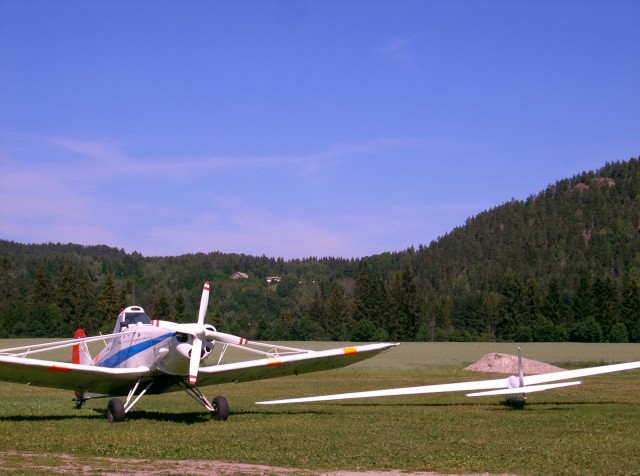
75 352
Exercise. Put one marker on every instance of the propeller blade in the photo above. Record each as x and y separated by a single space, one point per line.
194 363
225 338
196 349
204 302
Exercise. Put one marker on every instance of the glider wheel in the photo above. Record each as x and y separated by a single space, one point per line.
115 411
221 409
516 404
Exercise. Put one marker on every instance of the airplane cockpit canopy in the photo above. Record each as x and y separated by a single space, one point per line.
130 317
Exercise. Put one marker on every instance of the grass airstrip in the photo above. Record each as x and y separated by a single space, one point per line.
591 429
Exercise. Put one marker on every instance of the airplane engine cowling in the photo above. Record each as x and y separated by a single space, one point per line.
177 356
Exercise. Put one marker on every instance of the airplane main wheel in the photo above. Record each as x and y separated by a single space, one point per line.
115 411
221 409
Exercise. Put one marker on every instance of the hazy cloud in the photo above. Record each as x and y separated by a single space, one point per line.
400 49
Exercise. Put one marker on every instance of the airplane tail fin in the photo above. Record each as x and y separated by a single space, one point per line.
80 352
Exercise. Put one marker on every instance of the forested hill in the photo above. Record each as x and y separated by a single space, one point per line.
562 265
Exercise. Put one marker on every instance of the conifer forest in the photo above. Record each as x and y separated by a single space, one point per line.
562 265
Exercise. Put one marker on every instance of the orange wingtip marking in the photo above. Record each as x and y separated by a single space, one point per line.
273 362
57 368
350 350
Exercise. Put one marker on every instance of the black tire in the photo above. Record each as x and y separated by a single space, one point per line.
221 409
115 411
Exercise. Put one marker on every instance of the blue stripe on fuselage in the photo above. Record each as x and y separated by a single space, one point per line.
133 350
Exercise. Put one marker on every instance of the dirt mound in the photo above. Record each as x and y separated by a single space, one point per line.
508 364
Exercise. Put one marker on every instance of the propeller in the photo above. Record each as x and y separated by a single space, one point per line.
200 332
196 350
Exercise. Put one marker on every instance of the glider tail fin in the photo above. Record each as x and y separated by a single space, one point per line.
80 352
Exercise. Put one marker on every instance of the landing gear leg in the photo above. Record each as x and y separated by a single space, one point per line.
219 408
79 401
116 410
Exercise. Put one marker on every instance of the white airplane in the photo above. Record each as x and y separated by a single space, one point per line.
515 387
144 356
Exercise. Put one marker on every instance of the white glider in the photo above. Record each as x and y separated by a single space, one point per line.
515 387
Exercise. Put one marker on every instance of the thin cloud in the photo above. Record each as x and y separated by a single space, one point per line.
111 159
94 192
400 49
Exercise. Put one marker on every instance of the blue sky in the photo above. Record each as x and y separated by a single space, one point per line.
294 129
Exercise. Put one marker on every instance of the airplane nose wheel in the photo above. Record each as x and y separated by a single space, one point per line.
115 411
220 409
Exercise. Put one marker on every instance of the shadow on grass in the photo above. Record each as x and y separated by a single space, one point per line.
186 418
283 412
52 417
572 403
498 405
191 418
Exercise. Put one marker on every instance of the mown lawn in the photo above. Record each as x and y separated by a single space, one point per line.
589 429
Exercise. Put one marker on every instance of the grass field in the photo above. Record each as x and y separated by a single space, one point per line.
590 429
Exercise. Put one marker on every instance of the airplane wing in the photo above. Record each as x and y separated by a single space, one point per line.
532 383
293 364
68 376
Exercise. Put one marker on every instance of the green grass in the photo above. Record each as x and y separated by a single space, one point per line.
587 430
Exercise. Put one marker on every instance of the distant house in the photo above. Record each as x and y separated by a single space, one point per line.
273 279
239 275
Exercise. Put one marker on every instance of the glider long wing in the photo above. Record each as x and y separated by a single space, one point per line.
439 388
500 386
579 373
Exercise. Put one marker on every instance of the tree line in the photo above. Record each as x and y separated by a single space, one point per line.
562 265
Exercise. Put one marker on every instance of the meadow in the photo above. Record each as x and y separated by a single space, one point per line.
586 430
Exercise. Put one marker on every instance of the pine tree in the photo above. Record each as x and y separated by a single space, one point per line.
87 305
440 310
338 315
606 303
405 308
42 288
488 315
108 304
582 307
371 306
179 307
630 308
512 326
8 297
44 318
68 297
160 308
554 306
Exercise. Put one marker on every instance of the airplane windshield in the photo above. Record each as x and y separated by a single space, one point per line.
135 318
